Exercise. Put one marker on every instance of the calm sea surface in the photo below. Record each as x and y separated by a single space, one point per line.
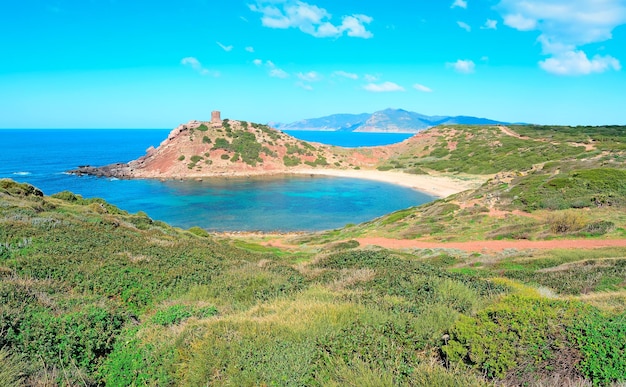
40 157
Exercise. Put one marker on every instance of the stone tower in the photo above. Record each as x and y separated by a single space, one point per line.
215 117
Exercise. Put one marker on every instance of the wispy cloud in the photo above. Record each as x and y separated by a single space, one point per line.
310 19
225 47
345 74
462 66
249 49
311 76
564 26
422 88
490 25
464 25
195 64
272 70
459 3
371 77
276 72
279 73
383 87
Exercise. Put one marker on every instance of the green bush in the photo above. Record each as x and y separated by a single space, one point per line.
172 315
517 338
181 157
291 161
602 342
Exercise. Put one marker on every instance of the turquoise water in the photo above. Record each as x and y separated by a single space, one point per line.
349 139
287 203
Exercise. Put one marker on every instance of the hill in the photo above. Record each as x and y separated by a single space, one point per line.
384 121
92 295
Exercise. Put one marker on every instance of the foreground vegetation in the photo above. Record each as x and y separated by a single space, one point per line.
92 295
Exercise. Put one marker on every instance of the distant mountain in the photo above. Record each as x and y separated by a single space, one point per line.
385 121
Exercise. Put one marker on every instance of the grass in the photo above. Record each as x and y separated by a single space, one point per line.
93 295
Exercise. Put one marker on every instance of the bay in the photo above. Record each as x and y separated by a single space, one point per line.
280 203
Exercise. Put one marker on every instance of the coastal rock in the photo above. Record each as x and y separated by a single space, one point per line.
119 170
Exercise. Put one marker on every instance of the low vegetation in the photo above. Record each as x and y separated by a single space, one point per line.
93 295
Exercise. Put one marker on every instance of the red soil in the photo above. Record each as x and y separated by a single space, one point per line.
478 246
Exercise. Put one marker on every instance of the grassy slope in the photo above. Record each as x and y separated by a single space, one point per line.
93 295
542 177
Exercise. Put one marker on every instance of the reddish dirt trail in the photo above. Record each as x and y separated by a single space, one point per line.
479 246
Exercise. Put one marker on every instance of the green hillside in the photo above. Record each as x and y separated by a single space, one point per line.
92 295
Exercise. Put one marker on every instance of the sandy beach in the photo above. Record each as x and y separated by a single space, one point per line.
439 186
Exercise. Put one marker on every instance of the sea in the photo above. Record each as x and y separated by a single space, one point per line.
41 157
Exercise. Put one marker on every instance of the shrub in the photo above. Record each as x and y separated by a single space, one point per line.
599 228
172 315
198 231
225 156
181 157
206 140
203 128
602 341
566 221
519 336
291 161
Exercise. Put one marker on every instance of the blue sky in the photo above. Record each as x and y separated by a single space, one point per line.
155 64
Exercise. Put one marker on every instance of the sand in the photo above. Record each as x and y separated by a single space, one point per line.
439 186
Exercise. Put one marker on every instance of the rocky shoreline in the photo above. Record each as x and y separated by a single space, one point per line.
118 170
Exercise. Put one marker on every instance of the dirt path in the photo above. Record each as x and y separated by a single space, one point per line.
478 246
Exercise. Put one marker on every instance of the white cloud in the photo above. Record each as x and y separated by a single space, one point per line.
273 71
464 25
224 47
462 66
490 25
310 19
577 63
371 78
423 88
278 73
383 87
520 22
195 64
249 49
345 74
459 3
565 25
311 76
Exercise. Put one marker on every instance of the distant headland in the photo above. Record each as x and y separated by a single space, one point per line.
229 148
